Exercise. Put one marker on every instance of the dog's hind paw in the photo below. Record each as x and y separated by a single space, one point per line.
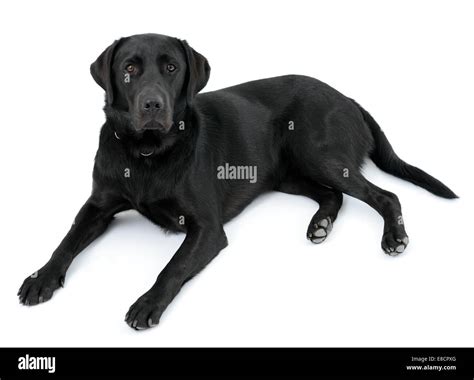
318 232
393 244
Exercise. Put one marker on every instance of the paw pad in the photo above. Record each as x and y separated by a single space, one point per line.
393 246
320 231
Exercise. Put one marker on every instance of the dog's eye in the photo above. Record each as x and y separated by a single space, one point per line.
131 69
170 67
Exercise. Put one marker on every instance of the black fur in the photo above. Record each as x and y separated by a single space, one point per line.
302 136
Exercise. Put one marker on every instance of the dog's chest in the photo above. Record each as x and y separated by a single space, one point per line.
163 212
148 191
153 200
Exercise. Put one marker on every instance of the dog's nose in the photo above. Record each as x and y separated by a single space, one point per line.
152 105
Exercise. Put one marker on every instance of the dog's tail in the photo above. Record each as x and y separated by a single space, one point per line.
386 159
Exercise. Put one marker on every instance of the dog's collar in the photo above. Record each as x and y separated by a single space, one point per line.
141 153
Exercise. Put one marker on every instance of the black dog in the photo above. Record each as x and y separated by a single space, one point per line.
191 163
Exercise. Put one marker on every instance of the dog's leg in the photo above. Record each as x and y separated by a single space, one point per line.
329 200
201 245
350 181
90 222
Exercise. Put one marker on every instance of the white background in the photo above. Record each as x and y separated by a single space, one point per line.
408 62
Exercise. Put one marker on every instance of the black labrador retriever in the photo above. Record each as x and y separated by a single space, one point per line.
192 162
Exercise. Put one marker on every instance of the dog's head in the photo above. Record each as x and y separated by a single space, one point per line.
149 80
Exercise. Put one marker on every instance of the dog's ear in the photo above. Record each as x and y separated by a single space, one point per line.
101 71
198 71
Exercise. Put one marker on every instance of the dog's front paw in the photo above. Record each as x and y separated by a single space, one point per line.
144 313
40 286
